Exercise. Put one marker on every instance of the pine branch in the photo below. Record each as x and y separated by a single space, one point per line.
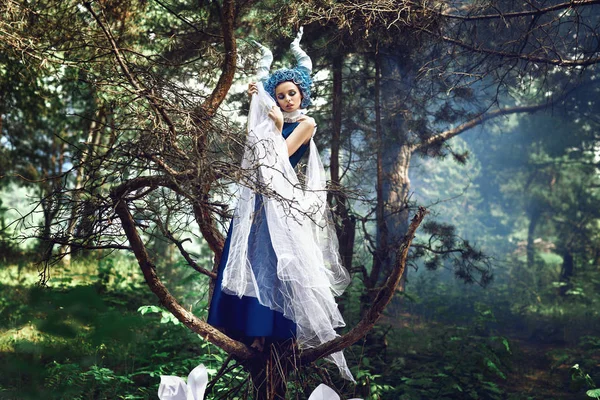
384 296
450 133
560 61
527 13
209 333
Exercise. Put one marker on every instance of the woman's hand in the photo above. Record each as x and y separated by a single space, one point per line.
277 116
309 121
252 89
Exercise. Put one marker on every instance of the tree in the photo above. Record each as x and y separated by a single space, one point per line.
166 153
455 64
146 121
549 181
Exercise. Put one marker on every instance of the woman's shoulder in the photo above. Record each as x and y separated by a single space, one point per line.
294 116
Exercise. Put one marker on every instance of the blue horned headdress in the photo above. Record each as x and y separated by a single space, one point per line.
300 74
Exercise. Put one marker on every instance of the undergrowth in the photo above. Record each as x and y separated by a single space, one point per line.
97 332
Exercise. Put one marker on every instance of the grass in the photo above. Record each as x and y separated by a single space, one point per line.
82 337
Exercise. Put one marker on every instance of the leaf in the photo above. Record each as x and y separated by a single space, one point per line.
167 317
457 387
595 393
493 367
149 309
506 345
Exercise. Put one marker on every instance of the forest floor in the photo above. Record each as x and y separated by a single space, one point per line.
541 360
544 361
536 373
92 336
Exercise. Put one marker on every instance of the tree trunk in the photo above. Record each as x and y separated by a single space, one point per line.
396 157
533 221
269 376
345 224
396 196
567 271
379 257
93 139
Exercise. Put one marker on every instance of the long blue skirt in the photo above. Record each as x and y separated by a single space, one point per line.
245 317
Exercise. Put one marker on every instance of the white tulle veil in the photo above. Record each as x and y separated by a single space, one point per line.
309 272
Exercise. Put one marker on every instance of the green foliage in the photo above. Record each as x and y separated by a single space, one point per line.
89 341
369 384
71 381
580 379
165 316
105 338
435 360
468 363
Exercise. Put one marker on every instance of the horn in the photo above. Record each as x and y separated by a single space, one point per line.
264 64
302 59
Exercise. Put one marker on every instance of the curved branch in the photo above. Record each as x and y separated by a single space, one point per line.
188 257
169 181
450 133
83 246
150 181
185 21
132 80
207 110
384 296
526 57
202 214
211 104
209 231
517 14
440 252
209 333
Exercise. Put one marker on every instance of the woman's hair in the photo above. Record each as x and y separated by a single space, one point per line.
299 76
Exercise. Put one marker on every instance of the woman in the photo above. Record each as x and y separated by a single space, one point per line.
280 268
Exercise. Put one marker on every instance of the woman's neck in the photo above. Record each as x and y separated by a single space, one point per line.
292 116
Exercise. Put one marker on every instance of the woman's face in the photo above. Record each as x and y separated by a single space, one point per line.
288 96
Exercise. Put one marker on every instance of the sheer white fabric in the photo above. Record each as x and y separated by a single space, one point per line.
309 271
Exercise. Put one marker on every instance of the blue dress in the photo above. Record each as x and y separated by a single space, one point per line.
244 318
